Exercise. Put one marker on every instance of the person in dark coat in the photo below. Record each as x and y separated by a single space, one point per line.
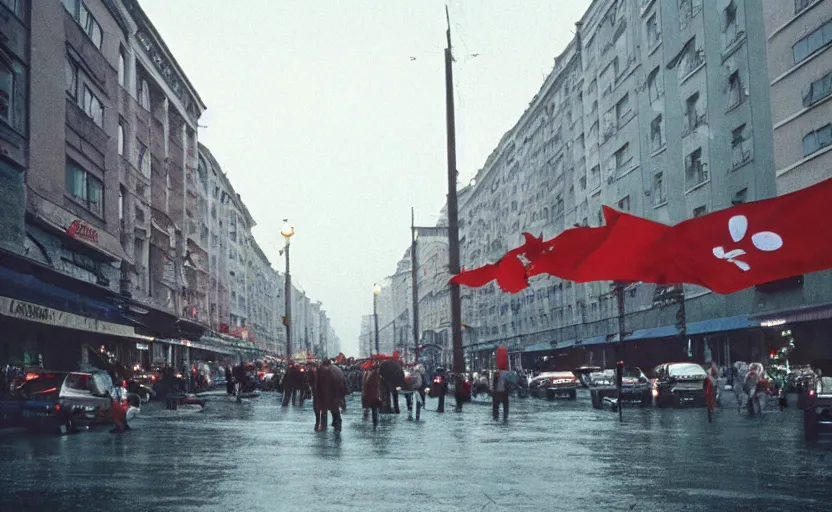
371 393
499 394
229 381
330 391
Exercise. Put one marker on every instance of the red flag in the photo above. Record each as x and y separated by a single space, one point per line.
509 271
749 244
614 252
476 278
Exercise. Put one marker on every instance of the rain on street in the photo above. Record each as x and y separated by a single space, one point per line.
558 455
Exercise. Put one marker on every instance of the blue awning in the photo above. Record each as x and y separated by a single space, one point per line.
731 323
597 340
27 287
656 332
539 347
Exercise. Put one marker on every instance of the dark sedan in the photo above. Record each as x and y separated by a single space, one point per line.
679 384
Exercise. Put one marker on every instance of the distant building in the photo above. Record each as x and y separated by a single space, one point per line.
118 231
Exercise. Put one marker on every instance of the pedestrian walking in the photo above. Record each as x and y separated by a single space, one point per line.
499 393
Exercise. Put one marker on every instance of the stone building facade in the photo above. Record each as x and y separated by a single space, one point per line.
116 226
662 109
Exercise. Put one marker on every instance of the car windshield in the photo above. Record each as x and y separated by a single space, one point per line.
686 369
634 373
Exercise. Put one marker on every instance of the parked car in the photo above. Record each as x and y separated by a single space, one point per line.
584 372
679 384
635 388
817 409
554 384
67 401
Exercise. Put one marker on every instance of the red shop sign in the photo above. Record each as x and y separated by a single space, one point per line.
82 231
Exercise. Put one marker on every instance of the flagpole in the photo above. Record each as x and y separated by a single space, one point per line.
414 266
453 225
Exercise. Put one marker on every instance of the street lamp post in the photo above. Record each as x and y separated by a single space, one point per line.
287 231
376 293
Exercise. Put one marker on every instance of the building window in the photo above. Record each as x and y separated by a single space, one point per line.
84 188
730 30
595 177
812 43
624 204
121 193
122 78
582 183
654 85
817 140
801 5
699 211
623 158
143 159
657 133
741 145
659 194
144 94
817 90
694 116
6 91
120 139
93 107
623 112
79 11
740 197
695 172
688 9
734 89
654 35
692 59
71 78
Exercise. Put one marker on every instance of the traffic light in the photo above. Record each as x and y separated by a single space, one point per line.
619 373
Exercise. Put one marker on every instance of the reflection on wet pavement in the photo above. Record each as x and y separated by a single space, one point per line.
549 456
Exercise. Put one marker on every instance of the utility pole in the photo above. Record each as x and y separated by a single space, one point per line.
681 316
619 363
414 276
453 221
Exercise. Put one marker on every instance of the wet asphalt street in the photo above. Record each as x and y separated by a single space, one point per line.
549 456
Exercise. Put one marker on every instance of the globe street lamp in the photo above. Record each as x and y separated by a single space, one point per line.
287 231
376 293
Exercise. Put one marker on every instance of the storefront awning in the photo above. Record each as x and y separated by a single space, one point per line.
731 323
28 297
794 316
197 345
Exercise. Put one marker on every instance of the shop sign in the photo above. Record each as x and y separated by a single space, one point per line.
41 314
141 346
82 231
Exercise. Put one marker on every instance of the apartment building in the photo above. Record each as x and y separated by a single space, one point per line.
799 38
655 108
263 299
125 235
14 122
366 339
658 108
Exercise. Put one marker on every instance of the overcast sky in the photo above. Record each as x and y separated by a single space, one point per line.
318 112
